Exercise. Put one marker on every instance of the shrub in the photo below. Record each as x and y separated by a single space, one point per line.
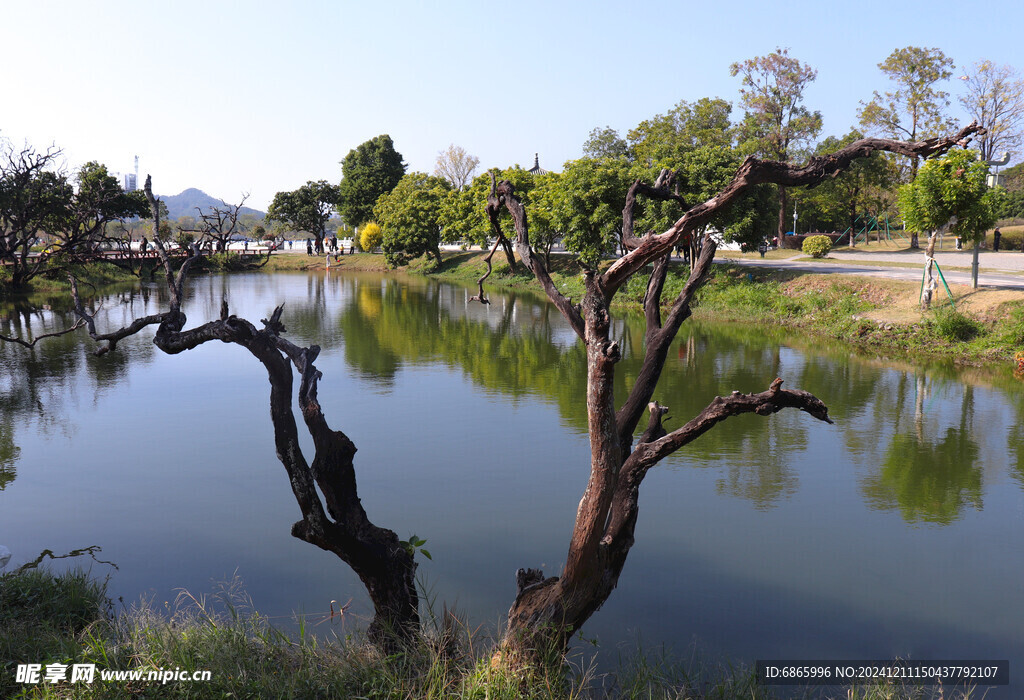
370 236
817 246
954 326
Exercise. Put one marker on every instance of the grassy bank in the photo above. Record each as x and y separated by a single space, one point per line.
66 619
880 316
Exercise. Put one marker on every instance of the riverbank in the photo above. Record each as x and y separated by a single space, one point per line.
65 621
879 316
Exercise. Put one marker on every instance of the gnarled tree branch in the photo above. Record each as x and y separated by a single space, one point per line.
755 172
503 193
386 568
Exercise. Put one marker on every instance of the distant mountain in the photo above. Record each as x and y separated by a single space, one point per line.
185 204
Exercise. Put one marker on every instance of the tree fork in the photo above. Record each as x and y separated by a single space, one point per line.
547 611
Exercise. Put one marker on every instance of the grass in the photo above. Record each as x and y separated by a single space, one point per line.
42 617
66 618
878 315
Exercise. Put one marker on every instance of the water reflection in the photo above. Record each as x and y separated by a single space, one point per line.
930 470
41 387
754 534
519 346
9 453
928 481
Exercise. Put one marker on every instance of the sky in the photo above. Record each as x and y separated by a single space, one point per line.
257 97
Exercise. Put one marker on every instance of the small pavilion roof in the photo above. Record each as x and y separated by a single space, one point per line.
536 169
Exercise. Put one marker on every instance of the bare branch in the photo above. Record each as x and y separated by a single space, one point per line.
657 341
660 190
113 337
765 403
31 344
503 193
481 297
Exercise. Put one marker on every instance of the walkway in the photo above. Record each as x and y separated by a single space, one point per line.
994 269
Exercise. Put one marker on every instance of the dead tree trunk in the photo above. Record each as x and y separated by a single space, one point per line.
548 611
337 522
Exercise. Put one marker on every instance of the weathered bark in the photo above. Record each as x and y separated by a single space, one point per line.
547 611
383 564
503 194
481 297
493 210
780 228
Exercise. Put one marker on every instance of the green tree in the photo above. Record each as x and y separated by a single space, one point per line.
951 192
544 232
697 141
994 97
605 143
100 200
1013 178
776 123
306 209
409 218
915 108
460 215
665 140
586 206
48 221
368 171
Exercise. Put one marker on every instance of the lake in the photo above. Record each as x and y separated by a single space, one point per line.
895 532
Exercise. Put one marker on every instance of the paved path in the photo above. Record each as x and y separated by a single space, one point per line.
993 267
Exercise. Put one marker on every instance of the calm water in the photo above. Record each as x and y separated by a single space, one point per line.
895 532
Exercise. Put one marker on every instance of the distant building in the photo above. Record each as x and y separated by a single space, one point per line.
536 169
131 182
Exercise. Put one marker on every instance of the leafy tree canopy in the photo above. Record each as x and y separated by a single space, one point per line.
951 186
915 108
772 92
100 198
462 211
368 171
306 209
586 205
409 218
1013 178
664 140
606 143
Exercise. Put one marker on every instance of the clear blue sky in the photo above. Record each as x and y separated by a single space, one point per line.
257 97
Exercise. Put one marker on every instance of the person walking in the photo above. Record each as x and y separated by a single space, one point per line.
996 236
